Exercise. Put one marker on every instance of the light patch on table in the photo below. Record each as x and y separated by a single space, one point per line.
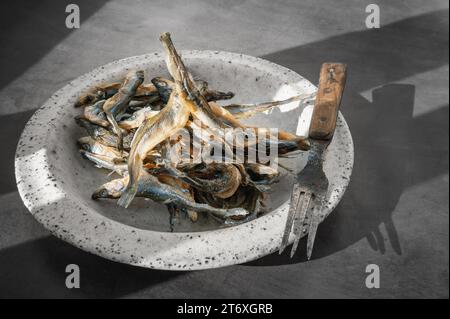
426 90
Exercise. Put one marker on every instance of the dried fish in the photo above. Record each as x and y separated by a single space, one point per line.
103 135
95 114
214 95
145 92
145 120
112 189
102 161
99 92
154 130
221 180
118 103
286 138
165 87
87 143
137 118
243 111
182 188
184 82
148 186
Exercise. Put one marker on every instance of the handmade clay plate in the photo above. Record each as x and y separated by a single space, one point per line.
56 184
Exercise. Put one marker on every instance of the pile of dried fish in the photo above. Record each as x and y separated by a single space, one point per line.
130 127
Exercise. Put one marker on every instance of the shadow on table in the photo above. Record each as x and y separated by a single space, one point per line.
36 269
30 29
10 129
393 149
389 156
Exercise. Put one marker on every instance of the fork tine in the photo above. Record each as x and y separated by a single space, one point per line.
293 208
312 230
299 221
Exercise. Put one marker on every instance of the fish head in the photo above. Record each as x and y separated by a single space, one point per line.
81 121
84 153
85 143
132 80
140 74
112 189
164 87
102 193
201 85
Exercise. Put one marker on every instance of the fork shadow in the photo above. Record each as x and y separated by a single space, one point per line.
386 162
389 142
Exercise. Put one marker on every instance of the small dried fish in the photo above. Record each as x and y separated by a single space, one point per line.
183 189
148 186
103 135
87 143
144 118
102 161
243 111
165 87
214 95
154 130
137 118
184 82
112 189
286 138
260 172
99 92
221 180
247 197
118 103
95 114
145 92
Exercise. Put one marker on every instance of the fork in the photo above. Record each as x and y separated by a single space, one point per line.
308 195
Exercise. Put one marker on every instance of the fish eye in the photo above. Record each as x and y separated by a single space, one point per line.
85 146
103 193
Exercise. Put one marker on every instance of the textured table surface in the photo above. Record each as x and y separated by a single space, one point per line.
395 212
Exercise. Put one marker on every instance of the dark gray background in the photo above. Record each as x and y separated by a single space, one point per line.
394 214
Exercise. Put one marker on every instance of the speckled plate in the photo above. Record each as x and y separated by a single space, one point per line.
55 183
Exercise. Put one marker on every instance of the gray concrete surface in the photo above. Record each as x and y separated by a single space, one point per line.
395 213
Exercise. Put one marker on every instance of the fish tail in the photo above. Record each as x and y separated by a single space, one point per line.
303 144
116 130
134 168
127 196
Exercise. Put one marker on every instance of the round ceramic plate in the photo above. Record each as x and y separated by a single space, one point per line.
56 183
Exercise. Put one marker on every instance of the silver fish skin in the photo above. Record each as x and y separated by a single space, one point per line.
150 187
118 103
105 162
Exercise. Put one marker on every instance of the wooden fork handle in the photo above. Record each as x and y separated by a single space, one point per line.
329 94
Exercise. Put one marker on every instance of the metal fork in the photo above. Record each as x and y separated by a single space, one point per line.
309 192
